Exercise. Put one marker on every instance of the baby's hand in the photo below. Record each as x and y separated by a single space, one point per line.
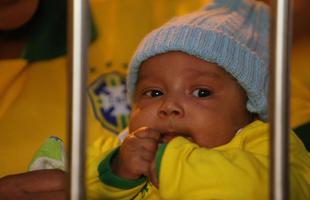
137 154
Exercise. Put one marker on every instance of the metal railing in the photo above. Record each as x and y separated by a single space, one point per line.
279 98
78 37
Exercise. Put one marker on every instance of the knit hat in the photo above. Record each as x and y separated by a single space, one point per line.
231 33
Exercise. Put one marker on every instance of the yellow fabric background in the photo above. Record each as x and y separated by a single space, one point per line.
300 85
35 113
34 95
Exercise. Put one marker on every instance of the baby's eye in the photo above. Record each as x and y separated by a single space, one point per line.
202 93
153 93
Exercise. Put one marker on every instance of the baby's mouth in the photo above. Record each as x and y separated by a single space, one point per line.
168 136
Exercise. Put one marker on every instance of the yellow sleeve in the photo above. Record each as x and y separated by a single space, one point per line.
237 170
103 184
95 153
189 172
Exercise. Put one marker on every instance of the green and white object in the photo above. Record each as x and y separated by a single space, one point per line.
51 155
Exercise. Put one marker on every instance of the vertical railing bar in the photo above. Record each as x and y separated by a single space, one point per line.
78 37
279 99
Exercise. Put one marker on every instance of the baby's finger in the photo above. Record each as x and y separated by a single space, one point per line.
148 156
142 167
148 144
145 132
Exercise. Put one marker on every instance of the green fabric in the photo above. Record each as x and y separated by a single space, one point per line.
48 31
50 154
303 133
108 177
158 157
51 148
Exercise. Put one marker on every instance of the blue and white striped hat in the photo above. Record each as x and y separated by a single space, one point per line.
232 33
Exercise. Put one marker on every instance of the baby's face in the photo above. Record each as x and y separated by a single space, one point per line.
181 95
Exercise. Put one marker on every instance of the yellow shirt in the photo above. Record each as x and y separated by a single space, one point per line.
236 170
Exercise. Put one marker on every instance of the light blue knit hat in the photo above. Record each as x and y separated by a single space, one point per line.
232 33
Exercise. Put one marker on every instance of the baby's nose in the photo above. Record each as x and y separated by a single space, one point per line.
171 107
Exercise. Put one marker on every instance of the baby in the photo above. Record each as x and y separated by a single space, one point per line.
198 88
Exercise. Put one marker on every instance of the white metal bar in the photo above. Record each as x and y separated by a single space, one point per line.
78 38
279 99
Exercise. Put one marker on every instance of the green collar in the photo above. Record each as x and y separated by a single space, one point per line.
48 31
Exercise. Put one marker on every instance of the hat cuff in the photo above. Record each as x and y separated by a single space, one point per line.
212 46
